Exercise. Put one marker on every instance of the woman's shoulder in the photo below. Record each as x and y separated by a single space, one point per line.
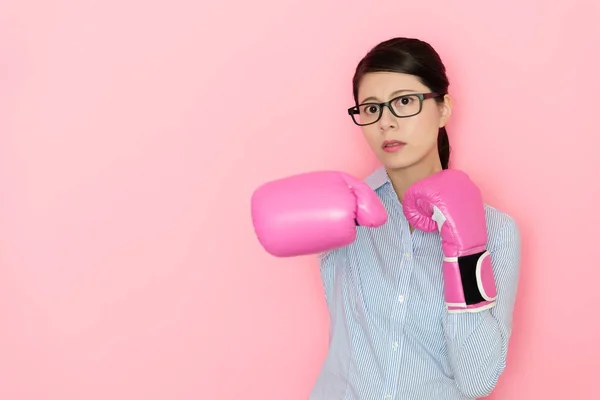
501 226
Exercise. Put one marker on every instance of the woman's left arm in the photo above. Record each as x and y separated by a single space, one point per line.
478 341
480 271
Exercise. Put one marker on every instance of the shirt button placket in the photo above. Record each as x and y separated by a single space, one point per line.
396 344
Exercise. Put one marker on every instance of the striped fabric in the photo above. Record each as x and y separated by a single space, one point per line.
391 336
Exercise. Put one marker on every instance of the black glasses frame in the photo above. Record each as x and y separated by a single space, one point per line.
352 111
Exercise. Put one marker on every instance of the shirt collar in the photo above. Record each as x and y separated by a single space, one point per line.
378 178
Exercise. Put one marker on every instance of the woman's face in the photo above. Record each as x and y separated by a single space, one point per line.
411 140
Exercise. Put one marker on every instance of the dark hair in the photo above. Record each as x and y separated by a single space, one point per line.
413 57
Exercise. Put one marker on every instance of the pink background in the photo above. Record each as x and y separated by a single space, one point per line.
133 133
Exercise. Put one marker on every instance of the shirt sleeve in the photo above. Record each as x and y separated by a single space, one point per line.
326 266
478 342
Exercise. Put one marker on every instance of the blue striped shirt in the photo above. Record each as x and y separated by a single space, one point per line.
391 337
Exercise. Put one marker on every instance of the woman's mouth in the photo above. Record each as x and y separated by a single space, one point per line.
391 146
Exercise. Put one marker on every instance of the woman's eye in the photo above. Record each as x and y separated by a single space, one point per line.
371 109
404 101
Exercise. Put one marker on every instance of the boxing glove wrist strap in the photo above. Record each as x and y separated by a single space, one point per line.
469 282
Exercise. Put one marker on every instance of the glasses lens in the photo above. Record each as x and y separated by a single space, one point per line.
407 106
368 114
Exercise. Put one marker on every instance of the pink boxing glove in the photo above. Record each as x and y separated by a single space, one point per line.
450 202
313 212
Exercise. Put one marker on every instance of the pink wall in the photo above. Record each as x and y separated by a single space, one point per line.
133 133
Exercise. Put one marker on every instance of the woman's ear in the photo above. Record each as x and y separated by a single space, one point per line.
445 110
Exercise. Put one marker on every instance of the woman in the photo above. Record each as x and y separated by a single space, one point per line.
395 332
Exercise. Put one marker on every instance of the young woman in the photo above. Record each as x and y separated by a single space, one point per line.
420 276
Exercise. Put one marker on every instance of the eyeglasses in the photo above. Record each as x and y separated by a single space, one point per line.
407 105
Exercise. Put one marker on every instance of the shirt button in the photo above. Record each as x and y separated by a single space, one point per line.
395 345
388 396
401 299
407 254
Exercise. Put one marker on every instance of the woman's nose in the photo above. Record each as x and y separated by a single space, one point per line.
387 120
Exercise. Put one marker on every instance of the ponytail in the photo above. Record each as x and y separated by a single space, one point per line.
444 147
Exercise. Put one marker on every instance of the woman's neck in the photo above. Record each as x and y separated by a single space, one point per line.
403 178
